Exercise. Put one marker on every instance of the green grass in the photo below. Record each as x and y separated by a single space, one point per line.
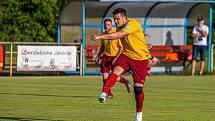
70 98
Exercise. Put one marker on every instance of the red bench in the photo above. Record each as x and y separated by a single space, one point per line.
160 51
184 52
180 54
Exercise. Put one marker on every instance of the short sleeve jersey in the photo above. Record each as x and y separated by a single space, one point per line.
111 47
134 44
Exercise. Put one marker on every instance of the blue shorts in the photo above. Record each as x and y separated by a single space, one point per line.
201 49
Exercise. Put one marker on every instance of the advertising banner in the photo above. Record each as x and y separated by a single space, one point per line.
46 58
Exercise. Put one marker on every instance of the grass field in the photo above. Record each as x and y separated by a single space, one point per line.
71 98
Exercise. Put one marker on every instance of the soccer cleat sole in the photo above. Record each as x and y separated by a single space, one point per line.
102 100
129 88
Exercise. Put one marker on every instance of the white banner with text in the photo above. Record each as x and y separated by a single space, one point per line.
46 58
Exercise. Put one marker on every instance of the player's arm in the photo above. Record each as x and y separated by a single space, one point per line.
111 36
204 33
194 33
101 50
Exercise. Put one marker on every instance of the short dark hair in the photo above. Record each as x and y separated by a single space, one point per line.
200 18
121 11
107 20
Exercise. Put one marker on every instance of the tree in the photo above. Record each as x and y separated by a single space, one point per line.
30 21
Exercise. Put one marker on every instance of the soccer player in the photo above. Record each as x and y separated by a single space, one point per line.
111 49
134 57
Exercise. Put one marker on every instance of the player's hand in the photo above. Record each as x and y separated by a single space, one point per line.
97 60
149 45
95 37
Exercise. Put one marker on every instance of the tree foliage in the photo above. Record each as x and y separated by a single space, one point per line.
29 20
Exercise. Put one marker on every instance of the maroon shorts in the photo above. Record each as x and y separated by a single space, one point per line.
106 64
138 68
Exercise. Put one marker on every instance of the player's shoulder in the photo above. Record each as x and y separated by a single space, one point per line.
133 21
195 27
206 26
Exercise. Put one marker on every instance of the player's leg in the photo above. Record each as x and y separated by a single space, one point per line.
122 79
202 58
139 97
202 66
105 69
193 67
139 73
120 67
126 82
194 58
105 76
111 80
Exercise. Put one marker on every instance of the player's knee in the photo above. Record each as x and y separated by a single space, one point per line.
105 75
118 70
138 90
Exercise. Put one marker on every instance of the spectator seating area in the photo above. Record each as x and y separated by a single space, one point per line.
172 53
167 55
